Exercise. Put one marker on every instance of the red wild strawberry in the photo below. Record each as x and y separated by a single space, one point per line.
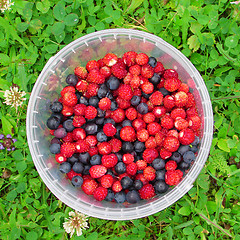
89 186
129 58
92 64
172 84
170 73
109 161
159 111
79 109
104 104
156 98
118 115
127 158
159 137
122 103
81 72
110 59
119 71
93 150
128 134
117 187
105 71
81 146
147 191
178 113
92 89
128 78
68 89
69 137
191 101
181 99
138 124
149 173
173 177
153 128
135 82
186 136
184 87
167 122
116 145
67 149
104 148
71 174
70 99
194 122
91 140
172 133
78 121
150 106
181 124
149 117
147 71
131 168
151 142
147 87
168 102
101 63
94 76
131 113
171 144
135 70
159 68
165 154
150 154
67 111
100 193
82 86
171 165
109 129
142 135
141 164
97 171
106 181
125 92
90 112
78 134
142 59
60 158
192 111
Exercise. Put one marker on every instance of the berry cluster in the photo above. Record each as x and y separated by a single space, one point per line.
124 129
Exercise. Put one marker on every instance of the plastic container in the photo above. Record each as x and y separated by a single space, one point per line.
47 89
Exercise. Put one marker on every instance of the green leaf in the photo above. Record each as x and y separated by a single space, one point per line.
231 41
222 144
15 233
59 11
12 218
58 28
134 4
100 26
92 236
11 195
43 6
6 125
36 24
32 236
185 211
193 43
51 48
4 59
21 166
71 19
22 26
21 187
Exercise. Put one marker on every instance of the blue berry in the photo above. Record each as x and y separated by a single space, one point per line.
135 100
83 100
55 140
114 106
119 156
77 181
109 120
65 167
120 197
99 121
117 135
137 184
152 61
160 174
155 79
77 167
126 182
145 95
158 164
72 80
73 158
120 168
56 107
113 83
196 141
95 160
194 148
160 186
176 156
86 169
91 128
183 148
133 196
101 136
93 101
100 113
189 156
84 158
142 108
164 91
68 125
183 165
102 91
127 147
55 148
58 115
126 122
53 123
139 146
110 195
60 133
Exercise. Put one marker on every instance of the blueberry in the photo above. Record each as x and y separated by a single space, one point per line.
183 165
158 164
194 148
77 181
113 83
58 115
183 148
139 171
93 101
84 157
160 186
189 156
77 167
164 91
91 128
55 148
133 196
139 146
60 133
147 96
109 95
55 140
135 100
95 160
114 106
109 120
160 174
196 141
68 125
83 100
73 158
110 195
117 135
127 147
65 167
86 169
102 91
126 182
152 61
120 168
72 80
78 94
137 184
99 121
53 123
142 108
100 113
120 197
126 122
119 156
110 172
176 156
56 107
155 79
101 136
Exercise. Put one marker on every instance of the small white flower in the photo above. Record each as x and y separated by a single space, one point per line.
14 97
236 2
77 221
5 5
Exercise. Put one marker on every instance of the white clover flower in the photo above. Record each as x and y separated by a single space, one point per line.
77 221
14 97
236 2
5 5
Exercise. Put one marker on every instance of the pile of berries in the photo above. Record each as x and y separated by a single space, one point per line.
124 129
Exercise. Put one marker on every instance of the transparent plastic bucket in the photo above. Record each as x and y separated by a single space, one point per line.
47 89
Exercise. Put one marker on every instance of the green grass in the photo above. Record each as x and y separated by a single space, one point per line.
207 32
